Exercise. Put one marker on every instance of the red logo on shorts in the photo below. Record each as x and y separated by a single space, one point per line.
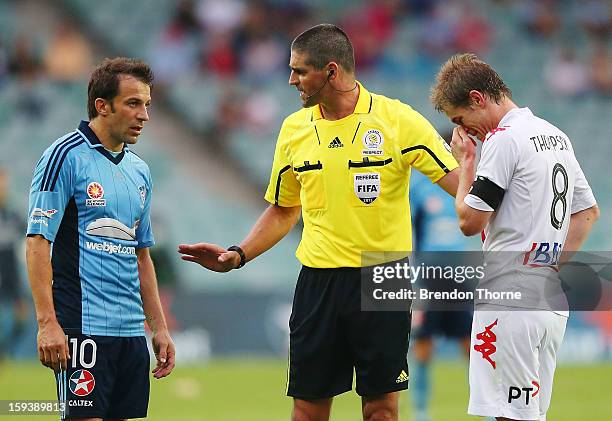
82 383
537 385
487 347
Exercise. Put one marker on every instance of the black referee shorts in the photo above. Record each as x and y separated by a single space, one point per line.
330 336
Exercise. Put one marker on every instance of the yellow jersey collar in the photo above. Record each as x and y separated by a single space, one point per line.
364 104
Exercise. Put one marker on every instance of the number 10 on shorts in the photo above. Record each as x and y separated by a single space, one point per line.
79 352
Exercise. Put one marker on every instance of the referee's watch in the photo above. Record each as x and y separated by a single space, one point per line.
241 253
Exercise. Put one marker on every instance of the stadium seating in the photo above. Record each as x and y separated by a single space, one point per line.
401 73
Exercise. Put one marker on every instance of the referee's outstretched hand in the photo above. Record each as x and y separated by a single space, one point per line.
211 256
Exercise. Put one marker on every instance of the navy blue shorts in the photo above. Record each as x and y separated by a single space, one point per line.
451 324
107 377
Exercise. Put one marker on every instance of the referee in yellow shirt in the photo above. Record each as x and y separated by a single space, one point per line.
343 162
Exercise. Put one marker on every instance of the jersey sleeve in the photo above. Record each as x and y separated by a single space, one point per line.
51 189
422 147
144 231
583 197
498 161
283 189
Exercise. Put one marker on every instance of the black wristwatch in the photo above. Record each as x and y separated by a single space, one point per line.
241 253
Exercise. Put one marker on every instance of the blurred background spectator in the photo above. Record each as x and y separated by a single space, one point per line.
595 17
539 17
13 307
175 52
24 61
4 60
601 70
68 56
566 74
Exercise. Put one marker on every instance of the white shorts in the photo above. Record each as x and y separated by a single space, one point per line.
512 362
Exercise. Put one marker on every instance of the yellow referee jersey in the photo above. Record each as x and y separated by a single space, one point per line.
351 177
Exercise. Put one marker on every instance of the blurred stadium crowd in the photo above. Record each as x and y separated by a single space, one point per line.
221 72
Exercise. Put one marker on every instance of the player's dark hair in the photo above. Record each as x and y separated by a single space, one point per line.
461 74
104 81
325 43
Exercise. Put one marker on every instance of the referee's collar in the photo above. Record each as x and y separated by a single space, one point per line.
364 104
90 136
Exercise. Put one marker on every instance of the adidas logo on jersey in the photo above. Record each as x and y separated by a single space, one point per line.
336 143
403 377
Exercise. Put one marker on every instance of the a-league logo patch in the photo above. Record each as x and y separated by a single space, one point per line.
367 186
95 191
373 139
82 383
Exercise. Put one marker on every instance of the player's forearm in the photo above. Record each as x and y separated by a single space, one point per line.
270 228
466 178
579 229
40 274
149 292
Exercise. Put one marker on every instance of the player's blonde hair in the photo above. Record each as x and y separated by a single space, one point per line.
461 74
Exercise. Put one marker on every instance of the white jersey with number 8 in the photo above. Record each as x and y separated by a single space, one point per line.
528 174
543 184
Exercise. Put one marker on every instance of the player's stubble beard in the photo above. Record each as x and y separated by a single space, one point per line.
122 136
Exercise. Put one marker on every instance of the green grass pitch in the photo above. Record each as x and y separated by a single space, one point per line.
254 390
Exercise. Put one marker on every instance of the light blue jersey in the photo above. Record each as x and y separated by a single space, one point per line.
95 209
434 219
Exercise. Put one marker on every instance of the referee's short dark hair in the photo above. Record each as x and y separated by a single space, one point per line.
461 74
325 43
104 81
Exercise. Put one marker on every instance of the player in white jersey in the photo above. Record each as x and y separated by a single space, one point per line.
529 195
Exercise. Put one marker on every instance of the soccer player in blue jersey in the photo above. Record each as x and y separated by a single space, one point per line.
435 231
89 233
